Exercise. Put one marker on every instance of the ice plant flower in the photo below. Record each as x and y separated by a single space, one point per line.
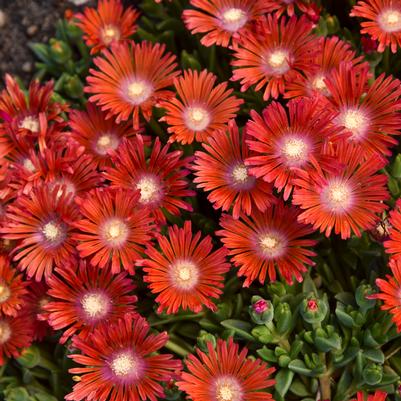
285 142
393 244
226 374
186 273
264 243
15 335
377 396
332 52
202 107
221 169
41 225
347 201
98 135
278 52
289 6
368 115
12 288
223 21
382 21
390 292
113 231
106 24
160 178
131 78
84 298
120 362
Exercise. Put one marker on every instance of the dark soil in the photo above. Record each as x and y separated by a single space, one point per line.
24 21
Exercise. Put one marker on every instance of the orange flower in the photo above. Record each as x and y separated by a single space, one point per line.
107 24
203 107
131 78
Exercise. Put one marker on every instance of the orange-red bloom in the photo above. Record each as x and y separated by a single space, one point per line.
377 396
265 242
289 6
131 78
223 21
226 373
186 273
390 290
221 170
160 178
107 24
393 244
15 335
383 21
332 52
41 224
85 298
12 288
120 363
368 116
114 231
202 108
285 143
278 52
345 201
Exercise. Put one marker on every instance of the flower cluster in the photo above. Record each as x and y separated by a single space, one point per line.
98 201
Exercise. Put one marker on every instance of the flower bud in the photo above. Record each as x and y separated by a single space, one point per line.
60 51
362 297
74 87
30 357
261 311
204 338
283 317
313 310
372 374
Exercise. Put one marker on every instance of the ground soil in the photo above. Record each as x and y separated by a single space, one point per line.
24 21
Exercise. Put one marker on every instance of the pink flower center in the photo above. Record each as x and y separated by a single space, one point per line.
184 274
277 61
319 85
239 177
227 388
390 20
126 366
197 118
106 142
149 188
54 233
110 33
5 332
260 306
354 120
272 245
96 305
137 91
30 123
337 196
115 232
312 305
5 291
295 150
233 19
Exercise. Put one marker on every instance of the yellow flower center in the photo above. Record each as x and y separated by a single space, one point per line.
149 188
390 20
197 118
5 332
95 305
355 121
115 232
123 364
338 196
295 150
278 61
4 292
240 174
271 245
234 19
52 231
138 91
30 123
184 275
27 163
228 389
105 143
109 34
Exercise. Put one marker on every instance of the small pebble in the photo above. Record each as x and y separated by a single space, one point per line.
27 67
3 18
79 2
31 30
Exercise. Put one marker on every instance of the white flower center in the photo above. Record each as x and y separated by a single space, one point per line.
234 19
109 34
197 118
337 196
355 121
390 20
240 174
5 332
319 85
27 163
53 232
124 364
184 275
105 143
31 123
228 389
95 305
295 150
115 232
4 292
149 188
138 91
278 61
271 244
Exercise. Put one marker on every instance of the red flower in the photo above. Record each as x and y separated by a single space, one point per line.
285 145
393 244
221 170
204 107
344 201
377 396
369 45
160 178
12 289
107 24
15 335
86 298
383 21
225 373
41 223
279 52
390 290
367 115
114 231
131 78
99 136
289 6
120 363
187 273
263 242
223 21
332 52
